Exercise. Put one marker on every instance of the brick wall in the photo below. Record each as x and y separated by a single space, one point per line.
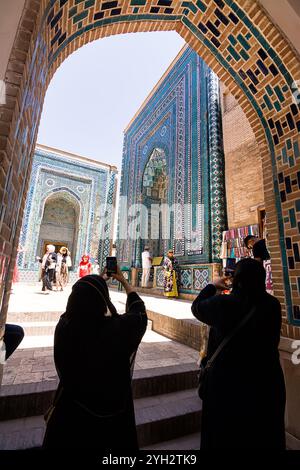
243 167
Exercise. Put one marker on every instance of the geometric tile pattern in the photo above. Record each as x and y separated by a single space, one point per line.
186 279
217 168
201 278
159 277
193 278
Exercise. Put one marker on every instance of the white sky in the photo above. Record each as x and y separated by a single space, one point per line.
98 89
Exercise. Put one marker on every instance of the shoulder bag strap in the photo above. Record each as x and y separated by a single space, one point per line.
229 337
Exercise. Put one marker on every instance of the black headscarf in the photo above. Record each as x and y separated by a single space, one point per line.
249 279
89 297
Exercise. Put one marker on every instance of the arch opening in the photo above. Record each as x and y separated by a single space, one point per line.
59 224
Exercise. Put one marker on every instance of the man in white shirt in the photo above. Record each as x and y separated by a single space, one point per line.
146 265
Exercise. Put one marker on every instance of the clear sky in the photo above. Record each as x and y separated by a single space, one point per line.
98 89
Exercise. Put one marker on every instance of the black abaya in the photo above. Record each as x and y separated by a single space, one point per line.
245 400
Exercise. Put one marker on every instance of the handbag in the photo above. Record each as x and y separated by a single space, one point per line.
206 364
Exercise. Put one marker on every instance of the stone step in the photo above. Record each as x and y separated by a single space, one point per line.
167 416
188 442
184 330
31 399
24 317
163 418
38 328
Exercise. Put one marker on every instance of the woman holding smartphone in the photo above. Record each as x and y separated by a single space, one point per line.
244 393
94 351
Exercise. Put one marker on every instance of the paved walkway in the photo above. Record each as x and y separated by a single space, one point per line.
29 298
33 360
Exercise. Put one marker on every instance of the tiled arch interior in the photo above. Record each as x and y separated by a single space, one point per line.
242 46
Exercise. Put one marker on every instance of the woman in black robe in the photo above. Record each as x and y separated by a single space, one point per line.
244 401
94 350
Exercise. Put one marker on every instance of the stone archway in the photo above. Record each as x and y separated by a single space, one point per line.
236 39
59 224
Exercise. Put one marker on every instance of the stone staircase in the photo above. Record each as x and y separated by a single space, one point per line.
167 408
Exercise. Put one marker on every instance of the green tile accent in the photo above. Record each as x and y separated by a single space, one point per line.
263 106
269 90
237 10
243 42
233 53
279 93
296 150
79 25
284 155
89 3
286 220
292 218
289 144
201 5
248 36
291 162
277 106
229 58
134 3
80 16
232 39
268 102
285 88
191 6
72 12
78 1
136 10
244 54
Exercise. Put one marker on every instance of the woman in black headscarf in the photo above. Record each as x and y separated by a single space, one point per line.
244 399
94 350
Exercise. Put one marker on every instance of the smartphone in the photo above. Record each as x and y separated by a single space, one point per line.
111 265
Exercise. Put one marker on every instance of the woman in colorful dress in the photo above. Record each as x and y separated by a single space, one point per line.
85 267
170 266
62 268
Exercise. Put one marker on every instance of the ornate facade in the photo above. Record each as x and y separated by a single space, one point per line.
70 202
173 157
